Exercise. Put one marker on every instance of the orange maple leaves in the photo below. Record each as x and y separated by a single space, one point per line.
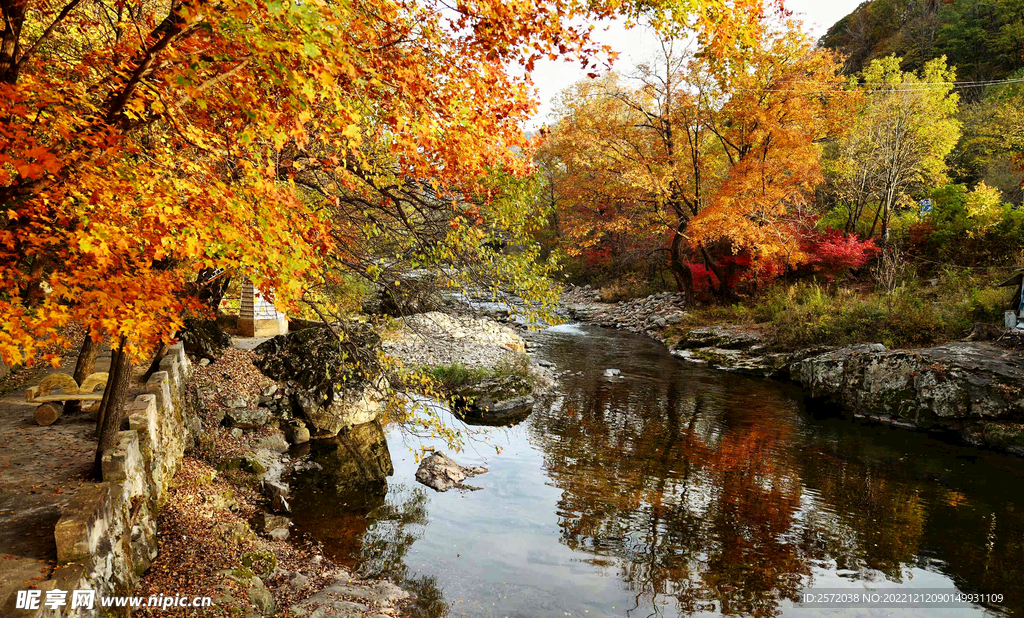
139 147
717 154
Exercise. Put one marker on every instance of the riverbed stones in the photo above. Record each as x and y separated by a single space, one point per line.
439 472
641 315
349 598
246 418
435 338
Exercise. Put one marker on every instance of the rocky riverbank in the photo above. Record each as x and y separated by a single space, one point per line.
225 530
973 389
439 339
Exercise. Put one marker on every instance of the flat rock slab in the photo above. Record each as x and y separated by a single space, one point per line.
347 598
441 473
953 382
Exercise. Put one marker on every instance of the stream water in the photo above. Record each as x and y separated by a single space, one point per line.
674 491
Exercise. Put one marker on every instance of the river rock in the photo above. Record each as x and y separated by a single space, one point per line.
719 337
274 442
495 401
612 373
325 372
266 522
945 385
501 413
441 473
246 418
346 407
298 435
350 598
203 339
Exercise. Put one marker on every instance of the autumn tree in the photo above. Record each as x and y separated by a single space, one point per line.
900 139
710 157
993 135
144 144
781 102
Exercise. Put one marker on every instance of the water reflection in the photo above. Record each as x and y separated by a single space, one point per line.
349 484
679 491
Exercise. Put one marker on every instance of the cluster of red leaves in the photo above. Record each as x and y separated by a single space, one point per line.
832 252
703 279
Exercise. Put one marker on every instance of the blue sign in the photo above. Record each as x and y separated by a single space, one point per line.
926 205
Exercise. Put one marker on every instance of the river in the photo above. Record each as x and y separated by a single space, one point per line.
675 490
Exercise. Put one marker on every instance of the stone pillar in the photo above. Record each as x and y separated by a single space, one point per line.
258 317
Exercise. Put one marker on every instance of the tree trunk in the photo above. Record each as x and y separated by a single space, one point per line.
682 273
723 281
878 212
48 413
158 355
112 409
34 289
85 366
115 359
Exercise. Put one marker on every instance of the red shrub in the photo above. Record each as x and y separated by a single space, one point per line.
833 252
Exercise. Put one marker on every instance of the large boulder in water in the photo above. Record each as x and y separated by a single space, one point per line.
441 473
332 375
503 400
973 388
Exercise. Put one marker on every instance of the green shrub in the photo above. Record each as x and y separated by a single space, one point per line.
970 228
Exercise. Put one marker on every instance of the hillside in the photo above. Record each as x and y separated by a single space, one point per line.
984 39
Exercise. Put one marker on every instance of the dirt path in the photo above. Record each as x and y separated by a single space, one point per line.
40 468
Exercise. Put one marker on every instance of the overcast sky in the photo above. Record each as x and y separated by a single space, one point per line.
636 45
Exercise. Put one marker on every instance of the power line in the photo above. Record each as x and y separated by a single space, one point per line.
913 87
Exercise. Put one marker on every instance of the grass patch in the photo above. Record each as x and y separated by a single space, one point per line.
455 376
451 378
910 314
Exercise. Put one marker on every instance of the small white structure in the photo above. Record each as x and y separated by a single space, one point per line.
257 316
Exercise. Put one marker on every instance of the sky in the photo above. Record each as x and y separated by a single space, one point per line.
637 45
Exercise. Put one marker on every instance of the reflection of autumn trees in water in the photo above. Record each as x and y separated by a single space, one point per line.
884 509
716 504
692 508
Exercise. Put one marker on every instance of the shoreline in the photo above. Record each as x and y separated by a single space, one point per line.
972 389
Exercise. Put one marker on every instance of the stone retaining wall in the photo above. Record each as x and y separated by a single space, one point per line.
106 537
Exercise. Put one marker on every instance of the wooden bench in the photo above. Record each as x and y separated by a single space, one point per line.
52 405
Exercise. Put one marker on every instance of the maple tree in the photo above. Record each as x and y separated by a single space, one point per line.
141 144
713 157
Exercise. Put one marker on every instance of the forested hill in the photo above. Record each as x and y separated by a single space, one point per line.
984 39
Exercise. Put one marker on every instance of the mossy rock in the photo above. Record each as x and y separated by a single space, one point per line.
234 531
262 563
486 392
242 573
245 464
